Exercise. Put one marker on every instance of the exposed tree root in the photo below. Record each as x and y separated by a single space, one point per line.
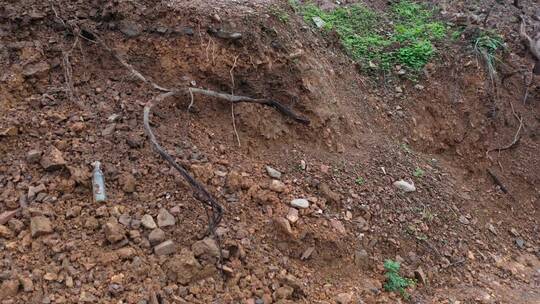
497 181
213 209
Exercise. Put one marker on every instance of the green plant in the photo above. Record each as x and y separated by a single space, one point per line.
487 44
456 34
405 148
294 5
428 215
418 172
394 281
280 14
360 180
378 45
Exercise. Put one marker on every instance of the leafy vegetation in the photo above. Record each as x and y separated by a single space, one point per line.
487 44
394 281
407 42
360 180
418 172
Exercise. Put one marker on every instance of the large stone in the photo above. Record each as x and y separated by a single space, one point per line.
156 236
183 267
273 173
33 156
53 159
165 248
404 186
148 222
114 232
165 219
40 225
205 247
300 203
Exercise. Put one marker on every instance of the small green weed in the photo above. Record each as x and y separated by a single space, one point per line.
428 215
418 172
360 181
406 148
368 40
294 4
280 14
487 44
394 281
456 34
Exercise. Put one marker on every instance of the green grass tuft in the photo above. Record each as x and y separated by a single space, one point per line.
360 181
418 173
487 44
407 42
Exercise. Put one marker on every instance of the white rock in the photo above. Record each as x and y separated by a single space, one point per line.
273 172
318 21
303 164
301 203
405 186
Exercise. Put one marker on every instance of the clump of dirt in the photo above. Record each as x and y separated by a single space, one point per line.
67 102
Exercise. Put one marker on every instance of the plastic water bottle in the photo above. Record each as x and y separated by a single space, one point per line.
98 183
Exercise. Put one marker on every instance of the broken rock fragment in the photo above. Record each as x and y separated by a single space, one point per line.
206 246
165 248
33 156
53 159
156 236
40 225
114 232
165 218
183 267
148 222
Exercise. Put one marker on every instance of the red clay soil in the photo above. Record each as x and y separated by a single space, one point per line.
466 235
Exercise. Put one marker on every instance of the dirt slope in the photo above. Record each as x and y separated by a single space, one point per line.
466 238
